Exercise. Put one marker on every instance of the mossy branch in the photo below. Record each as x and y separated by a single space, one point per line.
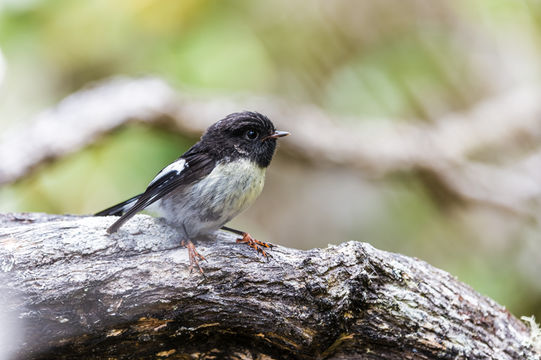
77 292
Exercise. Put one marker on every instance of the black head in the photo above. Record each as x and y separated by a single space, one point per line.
243 135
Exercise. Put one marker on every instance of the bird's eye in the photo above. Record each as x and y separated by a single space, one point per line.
251 134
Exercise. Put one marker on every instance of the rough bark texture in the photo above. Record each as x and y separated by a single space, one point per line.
79 293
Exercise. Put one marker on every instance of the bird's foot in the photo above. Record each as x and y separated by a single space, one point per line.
255 244
194 255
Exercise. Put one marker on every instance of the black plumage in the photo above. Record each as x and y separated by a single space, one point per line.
244 135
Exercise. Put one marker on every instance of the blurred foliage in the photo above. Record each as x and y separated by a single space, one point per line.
377 63
82 183
390 60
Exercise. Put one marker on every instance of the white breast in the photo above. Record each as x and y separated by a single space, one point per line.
229 189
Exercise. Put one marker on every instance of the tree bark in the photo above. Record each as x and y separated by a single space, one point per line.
77 292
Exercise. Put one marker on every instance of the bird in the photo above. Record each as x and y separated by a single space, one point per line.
216 179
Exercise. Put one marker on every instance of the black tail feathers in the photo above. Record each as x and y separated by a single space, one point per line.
118 209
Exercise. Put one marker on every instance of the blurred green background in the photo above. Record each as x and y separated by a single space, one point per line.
387 61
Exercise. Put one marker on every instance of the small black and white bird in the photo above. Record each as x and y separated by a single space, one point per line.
211 183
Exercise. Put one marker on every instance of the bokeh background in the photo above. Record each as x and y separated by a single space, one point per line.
389 62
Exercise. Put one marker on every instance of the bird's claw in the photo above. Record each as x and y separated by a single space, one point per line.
193 255
255 244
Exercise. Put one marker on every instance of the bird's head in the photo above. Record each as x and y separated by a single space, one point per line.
245 134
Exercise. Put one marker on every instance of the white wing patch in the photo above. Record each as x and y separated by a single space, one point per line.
176 166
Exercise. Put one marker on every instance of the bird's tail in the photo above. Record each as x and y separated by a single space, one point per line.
119 209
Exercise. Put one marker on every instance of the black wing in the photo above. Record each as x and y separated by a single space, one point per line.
197 165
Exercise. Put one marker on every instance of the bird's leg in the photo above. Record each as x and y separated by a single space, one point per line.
193 254
248 239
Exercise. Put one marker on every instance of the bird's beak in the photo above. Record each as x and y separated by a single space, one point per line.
277 134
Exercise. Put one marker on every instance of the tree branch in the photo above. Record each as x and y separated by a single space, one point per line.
79 292
442 150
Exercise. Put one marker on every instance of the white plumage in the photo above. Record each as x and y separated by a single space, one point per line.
207 205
